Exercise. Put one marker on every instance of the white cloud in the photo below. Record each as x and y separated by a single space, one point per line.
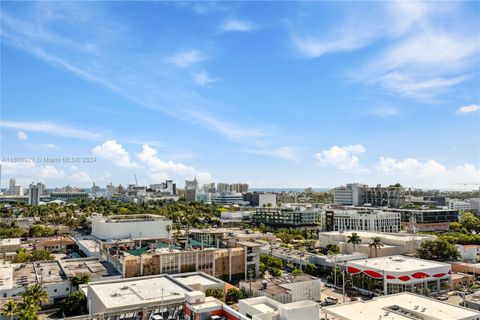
21 135
115 153
51 146
51 128
81 178
50 172
468 109
202 78
429 47
236 25
161 168
185 59
342 158
430 173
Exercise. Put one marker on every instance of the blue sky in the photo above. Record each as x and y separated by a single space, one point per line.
276 94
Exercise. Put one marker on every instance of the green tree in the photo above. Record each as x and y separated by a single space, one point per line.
439 249
332 249
28 308
80 279
38 294
10 309
75 304
311 269
354 239
297 272
234 295
215 292
376 244
470 221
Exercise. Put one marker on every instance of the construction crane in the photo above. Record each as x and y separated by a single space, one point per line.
136 181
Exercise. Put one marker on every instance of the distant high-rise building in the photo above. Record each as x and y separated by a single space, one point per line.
223 187
95 189
33 194
110 189
191 184
167 187
14 190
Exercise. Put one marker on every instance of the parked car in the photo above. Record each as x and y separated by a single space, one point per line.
442 297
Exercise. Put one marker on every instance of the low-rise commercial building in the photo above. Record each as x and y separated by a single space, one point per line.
130 226
285 217
388 275
285 289
414 220
393 243
400 306
54 276
261 199
263 308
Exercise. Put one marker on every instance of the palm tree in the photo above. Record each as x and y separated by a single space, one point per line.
375 244
168 227
28 308
10 309
38 294
354 239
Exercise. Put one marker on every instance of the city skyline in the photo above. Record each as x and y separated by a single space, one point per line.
285 95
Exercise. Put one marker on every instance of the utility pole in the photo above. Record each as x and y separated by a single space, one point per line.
343 285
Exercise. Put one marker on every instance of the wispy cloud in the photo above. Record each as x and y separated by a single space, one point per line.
22 135
236 25
203 79
424 54
132 75
185 59
468 109
51 128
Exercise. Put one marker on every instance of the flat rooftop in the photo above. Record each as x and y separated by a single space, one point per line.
422 307
367 234
136 292
23 275
10 242
276 286
49 271
194 279
6 277
90 266
397 263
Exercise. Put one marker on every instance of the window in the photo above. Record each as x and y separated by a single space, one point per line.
54 290
67 289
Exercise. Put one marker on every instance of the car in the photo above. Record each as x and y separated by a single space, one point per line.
442 297
330 301
329 285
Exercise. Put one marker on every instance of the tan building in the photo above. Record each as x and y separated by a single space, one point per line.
223 263
59 243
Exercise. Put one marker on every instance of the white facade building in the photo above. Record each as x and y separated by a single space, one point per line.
345 220
347 195
132 226
396 274
393 243
228 198
261 308
456 204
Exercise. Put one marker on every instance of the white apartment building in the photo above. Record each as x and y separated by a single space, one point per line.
346 220
456 204
130 226
262 308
